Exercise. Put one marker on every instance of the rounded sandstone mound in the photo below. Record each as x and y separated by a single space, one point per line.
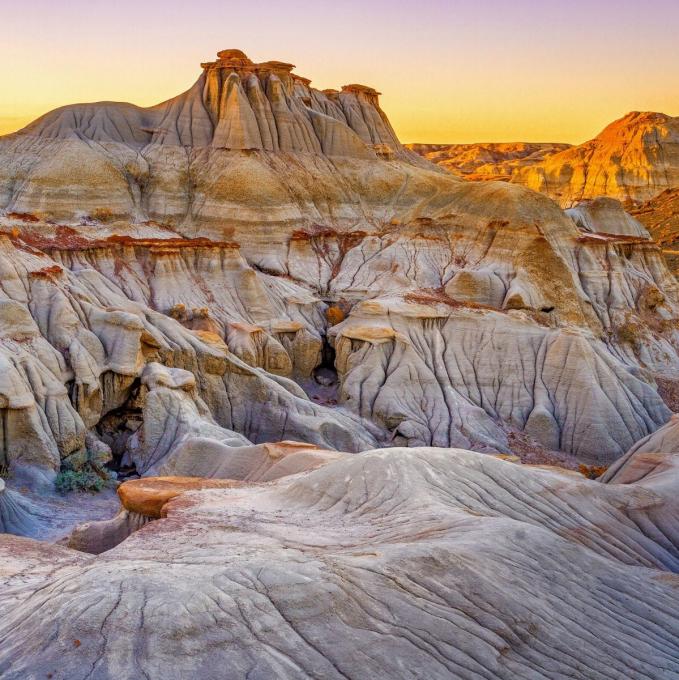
454 563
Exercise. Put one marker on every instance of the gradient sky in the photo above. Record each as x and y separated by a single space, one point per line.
449 70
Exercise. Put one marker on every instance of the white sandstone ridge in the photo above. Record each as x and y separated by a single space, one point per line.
603 215
453 563
500 305
445 377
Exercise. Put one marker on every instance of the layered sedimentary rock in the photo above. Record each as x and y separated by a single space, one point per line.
230 149
449 562
486 161
223 231
236 298
74 347
632 159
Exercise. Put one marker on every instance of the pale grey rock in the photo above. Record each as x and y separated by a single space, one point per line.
179 436
604 215
442 563
73 345
444 378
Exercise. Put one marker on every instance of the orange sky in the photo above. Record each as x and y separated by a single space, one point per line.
449 70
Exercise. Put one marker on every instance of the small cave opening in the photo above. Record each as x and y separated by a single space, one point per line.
323 385
117 427
547 309
325 374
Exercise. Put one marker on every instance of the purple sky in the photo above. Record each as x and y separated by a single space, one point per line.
484 70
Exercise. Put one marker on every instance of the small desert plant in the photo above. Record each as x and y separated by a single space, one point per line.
81 480
629 333
102 214
592 471
334 315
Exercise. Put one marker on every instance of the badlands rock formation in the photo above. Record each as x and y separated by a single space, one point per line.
256 303
486 161
74 347
247 144
389 564
228 231
632 159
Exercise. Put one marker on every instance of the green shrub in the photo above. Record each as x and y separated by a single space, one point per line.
82 480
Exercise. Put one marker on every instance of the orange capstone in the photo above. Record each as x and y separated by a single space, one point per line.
147 496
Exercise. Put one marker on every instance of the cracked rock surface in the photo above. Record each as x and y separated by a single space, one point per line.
450 562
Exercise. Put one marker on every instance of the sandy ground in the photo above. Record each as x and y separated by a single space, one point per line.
59 513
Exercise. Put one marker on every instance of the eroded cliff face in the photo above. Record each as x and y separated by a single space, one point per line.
633 159
74 346
279 243
248 144
458 330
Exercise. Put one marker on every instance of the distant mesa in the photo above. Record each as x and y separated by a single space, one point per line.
487 160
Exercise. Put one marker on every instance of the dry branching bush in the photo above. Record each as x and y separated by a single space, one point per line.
592 471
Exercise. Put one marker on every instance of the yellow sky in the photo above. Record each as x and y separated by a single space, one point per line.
452 71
